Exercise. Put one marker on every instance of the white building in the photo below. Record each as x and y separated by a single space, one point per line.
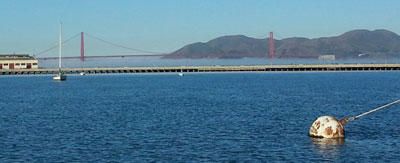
18 61
327 57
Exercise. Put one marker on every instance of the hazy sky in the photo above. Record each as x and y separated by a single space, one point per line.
31 26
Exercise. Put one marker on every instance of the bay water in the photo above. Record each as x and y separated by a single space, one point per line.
201 117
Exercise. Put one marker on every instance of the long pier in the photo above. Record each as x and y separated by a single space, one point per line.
196 69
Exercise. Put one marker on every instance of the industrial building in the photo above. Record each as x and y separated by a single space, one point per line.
18 61
327 57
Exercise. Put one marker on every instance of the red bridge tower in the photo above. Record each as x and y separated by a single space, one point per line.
82 48
271 44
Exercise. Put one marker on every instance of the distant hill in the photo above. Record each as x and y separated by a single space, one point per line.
353 44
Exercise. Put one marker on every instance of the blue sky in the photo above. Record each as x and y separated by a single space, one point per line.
31 26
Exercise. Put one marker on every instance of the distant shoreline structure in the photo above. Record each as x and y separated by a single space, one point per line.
18 61
205 69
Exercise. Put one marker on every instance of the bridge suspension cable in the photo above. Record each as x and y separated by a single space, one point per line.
121 46
55 46
267 35
264 36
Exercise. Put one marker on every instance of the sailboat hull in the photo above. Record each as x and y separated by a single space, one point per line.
60 77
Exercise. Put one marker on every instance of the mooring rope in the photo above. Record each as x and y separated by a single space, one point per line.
373 110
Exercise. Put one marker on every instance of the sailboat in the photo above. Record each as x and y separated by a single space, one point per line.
60 76
181 73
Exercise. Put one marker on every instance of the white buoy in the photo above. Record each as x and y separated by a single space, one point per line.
330 127
327 127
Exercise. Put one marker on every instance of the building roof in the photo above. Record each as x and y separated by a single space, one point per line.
16 57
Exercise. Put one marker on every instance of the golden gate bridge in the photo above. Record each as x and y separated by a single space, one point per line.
82 56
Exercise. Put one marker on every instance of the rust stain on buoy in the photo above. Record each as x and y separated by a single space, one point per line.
327 127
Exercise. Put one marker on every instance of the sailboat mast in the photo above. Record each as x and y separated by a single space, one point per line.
59 47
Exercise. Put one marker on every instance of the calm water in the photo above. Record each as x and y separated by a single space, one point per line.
231 117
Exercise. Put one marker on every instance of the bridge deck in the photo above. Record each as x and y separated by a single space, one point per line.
266 68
